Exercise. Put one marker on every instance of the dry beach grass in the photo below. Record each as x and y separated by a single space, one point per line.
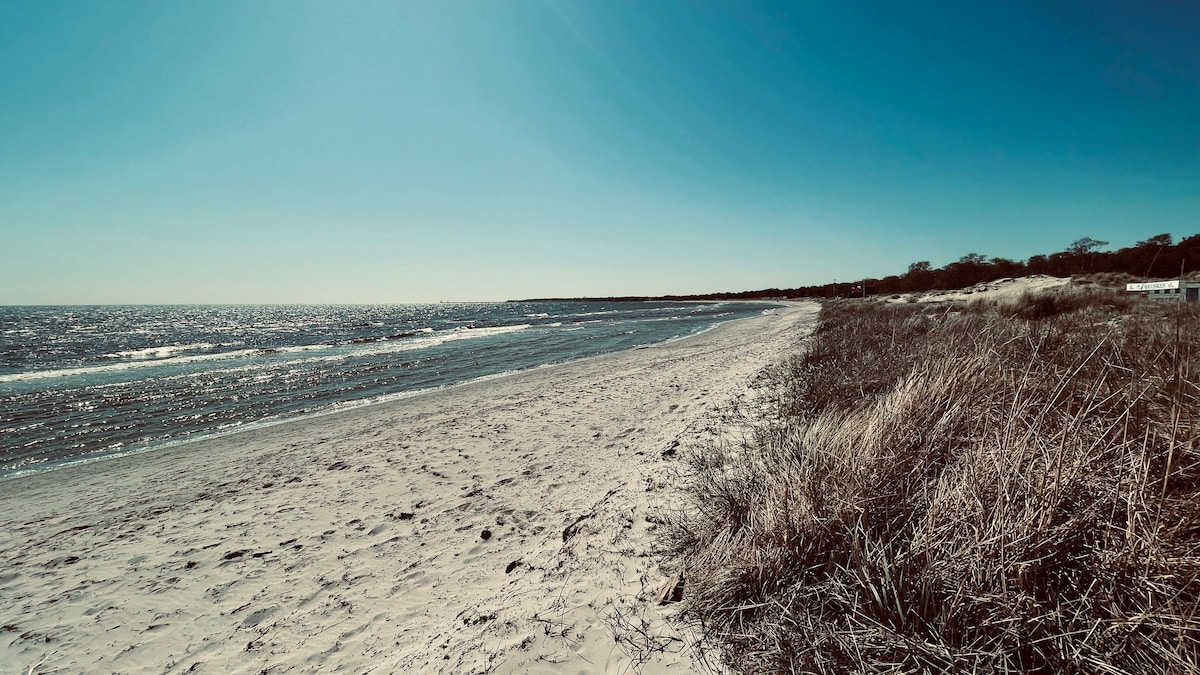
1007 485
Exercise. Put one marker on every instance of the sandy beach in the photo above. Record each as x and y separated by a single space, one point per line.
500 526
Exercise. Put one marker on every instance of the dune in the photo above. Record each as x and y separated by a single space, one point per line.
1000 288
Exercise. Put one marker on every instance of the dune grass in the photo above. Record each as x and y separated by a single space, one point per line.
988 487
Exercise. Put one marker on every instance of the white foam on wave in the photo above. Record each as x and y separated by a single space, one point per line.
127 365
162 352
433 340
428 338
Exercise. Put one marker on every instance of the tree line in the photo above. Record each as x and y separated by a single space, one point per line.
1157 256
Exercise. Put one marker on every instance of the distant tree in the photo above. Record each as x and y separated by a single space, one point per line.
1153 255
972 268
1158 249
1062 264
1079 258
1085 245
1188 250
919 277
1003 267
1160 240
1038 264
888 285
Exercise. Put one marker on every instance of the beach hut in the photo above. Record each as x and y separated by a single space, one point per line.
1174 290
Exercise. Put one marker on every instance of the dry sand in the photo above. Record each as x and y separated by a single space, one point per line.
501 526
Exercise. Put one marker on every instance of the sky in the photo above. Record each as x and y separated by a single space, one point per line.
440 150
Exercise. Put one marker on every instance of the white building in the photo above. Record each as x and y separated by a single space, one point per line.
1179 291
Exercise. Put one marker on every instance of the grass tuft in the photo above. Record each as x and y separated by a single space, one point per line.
1000 486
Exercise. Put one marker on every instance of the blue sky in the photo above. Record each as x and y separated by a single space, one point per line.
434 150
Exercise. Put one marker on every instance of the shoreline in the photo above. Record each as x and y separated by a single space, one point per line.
501 524
336 408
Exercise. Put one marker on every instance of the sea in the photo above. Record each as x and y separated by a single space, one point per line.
81 384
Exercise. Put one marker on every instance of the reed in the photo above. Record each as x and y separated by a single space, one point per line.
995 487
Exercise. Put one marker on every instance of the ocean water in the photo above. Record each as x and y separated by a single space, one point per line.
85 383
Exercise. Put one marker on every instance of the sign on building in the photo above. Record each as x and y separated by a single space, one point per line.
1183 291
1153 286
